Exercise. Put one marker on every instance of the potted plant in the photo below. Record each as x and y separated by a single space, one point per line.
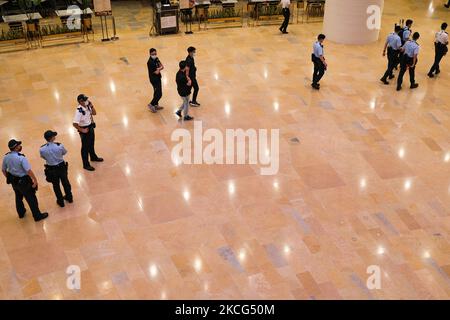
29 8
86 18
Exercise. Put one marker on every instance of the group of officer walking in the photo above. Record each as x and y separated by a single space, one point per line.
186 79
403 49
17 169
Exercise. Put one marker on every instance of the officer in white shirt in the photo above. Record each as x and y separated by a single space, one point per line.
440 49
55 167
318 59
285 4
83 121
409 60
392 45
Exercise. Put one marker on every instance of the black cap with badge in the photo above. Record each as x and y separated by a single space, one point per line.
82 97
49 134
12 144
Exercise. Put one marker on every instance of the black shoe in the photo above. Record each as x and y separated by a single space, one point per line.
384 81
446 5
315 86
42 216
188 118
391 76
97 160
159 107
178 113
194 104
68 199
399 88
89 168
438 71
414 85
430 75
22 215
285 32
60 203
281 30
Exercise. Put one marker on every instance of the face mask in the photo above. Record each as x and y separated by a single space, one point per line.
153 57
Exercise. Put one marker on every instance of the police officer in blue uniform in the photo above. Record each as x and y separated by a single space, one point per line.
18 173
409 60
392 45
318 59
56 168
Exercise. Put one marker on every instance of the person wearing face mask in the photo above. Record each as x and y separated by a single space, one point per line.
18 173
84 122
191 73
155 67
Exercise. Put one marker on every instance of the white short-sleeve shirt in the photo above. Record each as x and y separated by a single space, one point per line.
83 116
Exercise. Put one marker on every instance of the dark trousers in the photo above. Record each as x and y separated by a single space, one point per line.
439 53
319 70
196 89
157 90
392 56
58 175
404 64
24 189
287 15
87 146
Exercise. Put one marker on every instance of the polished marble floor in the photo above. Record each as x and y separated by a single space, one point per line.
366 182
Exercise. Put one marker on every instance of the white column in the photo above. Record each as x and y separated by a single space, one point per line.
353 21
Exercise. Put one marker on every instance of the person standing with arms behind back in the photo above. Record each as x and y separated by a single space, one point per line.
155 67
440 49
319 61
409 60
55 167
83 121
18 173
393 45
184 90
285 4
191 73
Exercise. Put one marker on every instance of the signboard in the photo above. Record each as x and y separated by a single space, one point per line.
102 5
169 22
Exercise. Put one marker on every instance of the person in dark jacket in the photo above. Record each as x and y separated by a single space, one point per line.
192 75
184 90
155 67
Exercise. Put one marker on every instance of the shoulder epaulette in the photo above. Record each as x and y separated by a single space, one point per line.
7 153
57 143
44 145
81 111
21 154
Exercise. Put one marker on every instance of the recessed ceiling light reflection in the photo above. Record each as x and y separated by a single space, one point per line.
407 184
286 249
198 265
447 157
127 170
79 179
163 295
140 204
380 250
56 95
125 121
227 108
164 80
276 185
401 153
242 255
216 76
266 74
112 86
373 104
276 106
231 188
427 255
362 183
153 270
186 195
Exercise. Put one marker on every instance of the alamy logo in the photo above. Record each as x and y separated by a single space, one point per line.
374 19
228 150
73 281
374 280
